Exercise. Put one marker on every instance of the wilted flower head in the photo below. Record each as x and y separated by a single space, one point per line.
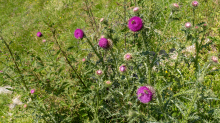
188 25
39 34
195 3
32 91
128 56
136 9
144 94
135 24
215 59
122 68
108 83
99 72
78 34
105 43
152 90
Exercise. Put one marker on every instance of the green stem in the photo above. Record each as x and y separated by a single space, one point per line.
16 65
137 68
67 60
125 20
194 16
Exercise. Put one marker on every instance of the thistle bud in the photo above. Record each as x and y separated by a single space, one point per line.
99 72
188 25
175 7
136 9
108 83
215 59
127 56
195 3
123 68
39 34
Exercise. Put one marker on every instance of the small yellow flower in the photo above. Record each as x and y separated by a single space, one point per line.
11 25
60 17
171 89
166 72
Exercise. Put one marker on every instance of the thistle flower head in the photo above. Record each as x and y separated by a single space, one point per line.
83 60
25 105
108 83
144 94
188 25
135 24
105 43
99 72
103 36
195 3
128 56
136 9
174 7
32 91
39 34
215 59
122 68
78 34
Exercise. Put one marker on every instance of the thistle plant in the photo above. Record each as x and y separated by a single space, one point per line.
122 72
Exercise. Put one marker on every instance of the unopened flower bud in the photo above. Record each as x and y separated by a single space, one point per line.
108 83
127 56
32 91
195 3
136 9
174 7
123 68
39 34
215 59
99 72
188 25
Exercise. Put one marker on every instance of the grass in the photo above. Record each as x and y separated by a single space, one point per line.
22 19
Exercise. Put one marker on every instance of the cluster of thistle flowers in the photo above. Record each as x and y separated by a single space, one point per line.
144 93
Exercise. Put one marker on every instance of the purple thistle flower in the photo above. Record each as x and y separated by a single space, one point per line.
135 24
32 91
78 34
105 43
144 94
39 34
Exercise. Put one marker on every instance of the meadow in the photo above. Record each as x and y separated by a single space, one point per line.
110 61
